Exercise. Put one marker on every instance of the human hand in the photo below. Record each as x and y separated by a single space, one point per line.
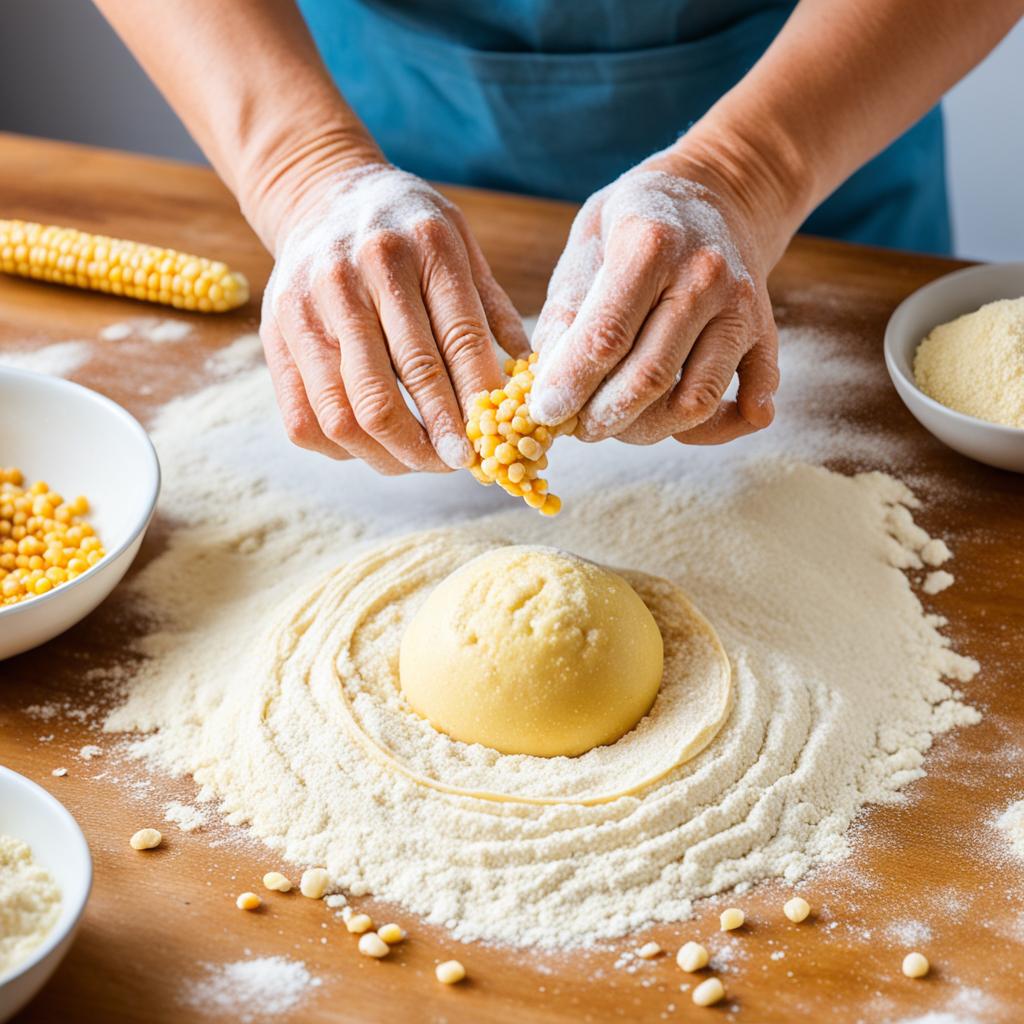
657 301
377 281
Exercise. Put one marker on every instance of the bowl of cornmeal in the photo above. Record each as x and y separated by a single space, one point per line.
45 878
79 480
955 352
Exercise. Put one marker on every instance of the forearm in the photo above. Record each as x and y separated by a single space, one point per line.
245 78
840 82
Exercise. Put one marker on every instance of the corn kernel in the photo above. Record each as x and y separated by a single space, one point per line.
146 839
709 992
731 918
451 972
314 883
391 933
248 901
276 882
357 924
371 944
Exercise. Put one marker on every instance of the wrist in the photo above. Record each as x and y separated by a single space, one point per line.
282 181
762 175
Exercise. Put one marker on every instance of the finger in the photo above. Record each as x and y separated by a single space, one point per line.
318 359
759 378
653 365
504 320
725 424
395 289
369 377
624 291
456 314
300 423
705 378
571 279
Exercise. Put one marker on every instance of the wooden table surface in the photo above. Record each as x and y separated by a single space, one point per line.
930 865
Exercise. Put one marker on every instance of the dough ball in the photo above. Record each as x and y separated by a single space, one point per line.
530 650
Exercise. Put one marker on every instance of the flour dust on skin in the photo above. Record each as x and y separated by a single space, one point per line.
841 678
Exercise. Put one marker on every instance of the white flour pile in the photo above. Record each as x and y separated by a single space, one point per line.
838 670
60 359
29 903
250 990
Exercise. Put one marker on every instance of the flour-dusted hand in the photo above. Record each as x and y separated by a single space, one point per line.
657 301
378 281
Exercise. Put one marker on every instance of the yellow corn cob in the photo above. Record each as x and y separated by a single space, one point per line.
138 271
511 450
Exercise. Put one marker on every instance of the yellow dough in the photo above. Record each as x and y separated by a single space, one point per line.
534 651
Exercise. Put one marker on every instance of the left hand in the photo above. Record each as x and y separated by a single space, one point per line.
657 301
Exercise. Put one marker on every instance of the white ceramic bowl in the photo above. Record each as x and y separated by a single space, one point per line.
80 443
29 813
936 303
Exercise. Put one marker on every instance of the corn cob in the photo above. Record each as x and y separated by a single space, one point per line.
511 450
119 267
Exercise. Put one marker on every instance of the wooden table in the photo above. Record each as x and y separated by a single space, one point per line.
152 920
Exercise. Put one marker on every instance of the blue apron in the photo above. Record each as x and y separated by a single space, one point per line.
559 97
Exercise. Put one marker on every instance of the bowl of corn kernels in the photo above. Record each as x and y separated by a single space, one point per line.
79 480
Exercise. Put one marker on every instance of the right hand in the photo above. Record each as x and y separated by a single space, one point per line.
378 281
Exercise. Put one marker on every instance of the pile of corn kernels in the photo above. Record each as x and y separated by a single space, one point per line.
511 450
44 541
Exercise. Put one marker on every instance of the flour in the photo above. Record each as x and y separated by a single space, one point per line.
251 990
1011 824
151 329
29 904
60 359
975 364
187 817
839 672
936 582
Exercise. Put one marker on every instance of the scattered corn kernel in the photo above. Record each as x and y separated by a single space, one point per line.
44 541
511 450
359 923
371 944
451 972
709 992
95 262
276 882
915 965
146 839
692 956
248 901
648 951
314 883
731 918
797 909
391 933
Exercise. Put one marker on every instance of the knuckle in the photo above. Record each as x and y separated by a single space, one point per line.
375 409
420 370
703 396
711 267
653 377
384 248
434 232
335 418
609 339
464 340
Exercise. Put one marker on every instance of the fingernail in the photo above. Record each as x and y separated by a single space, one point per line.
455 451
549 405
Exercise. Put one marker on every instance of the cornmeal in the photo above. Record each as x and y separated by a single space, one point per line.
975 364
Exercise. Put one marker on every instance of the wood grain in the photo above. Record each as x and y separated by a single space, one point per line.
932 859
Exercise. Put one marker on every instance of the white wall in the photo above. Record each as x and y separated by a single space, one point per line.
64 74
985 154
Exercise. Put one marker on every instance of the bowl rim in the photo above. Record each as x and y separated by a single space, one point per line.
896 371
57 935
133 425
